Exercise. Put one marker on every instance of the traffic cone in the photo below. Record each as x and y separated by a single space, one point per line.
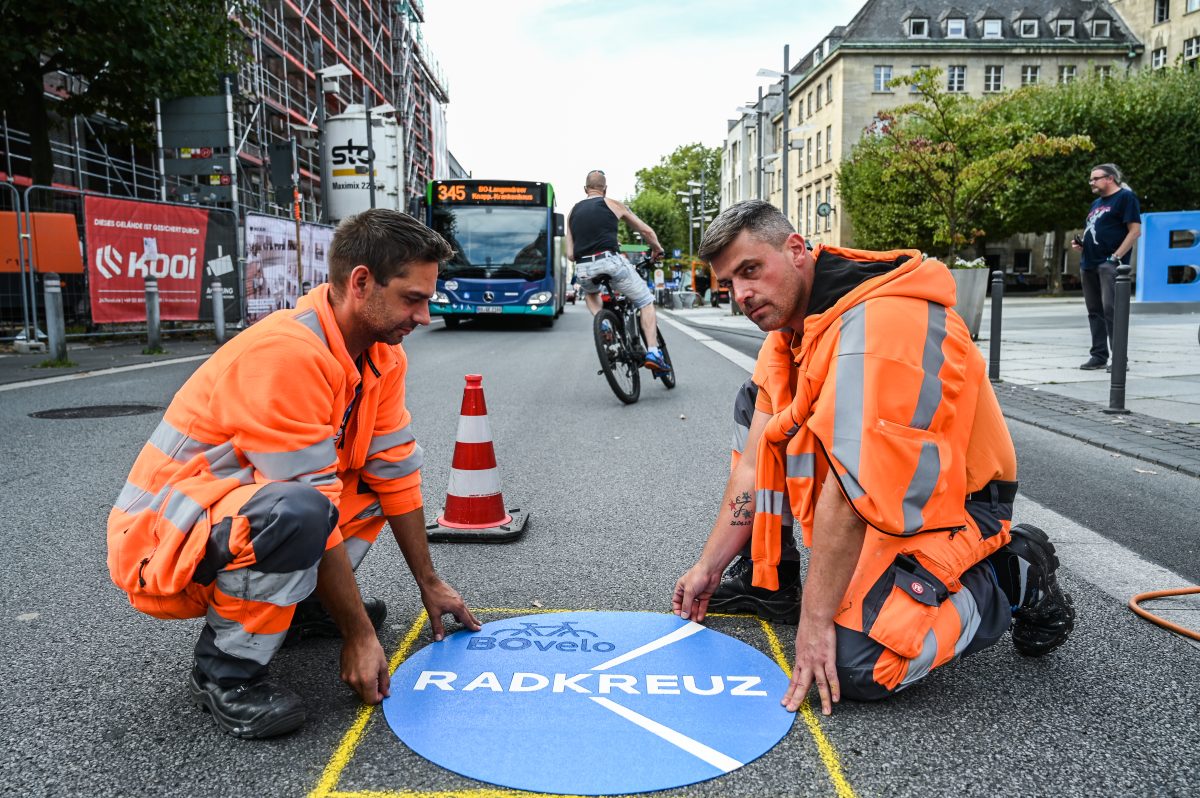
474 504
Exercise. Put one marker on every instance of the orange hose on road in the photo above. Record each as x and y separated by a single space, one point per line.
1152 618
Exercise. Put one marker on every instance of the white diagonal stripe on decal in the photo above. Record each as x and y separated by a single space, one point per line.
696 748
687 630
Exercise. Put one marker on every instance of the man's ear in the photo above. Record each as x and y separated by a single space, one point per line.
797 247
358 285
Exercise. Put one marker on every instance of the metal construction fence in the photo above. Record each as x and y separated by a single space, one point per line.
103 248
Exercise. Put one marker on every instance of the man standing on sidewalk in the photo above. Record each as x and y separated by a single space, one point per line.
876 429
272 473
592 243
1113 225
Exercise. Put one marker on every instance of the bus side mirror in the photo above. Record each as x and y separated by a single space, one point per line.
559 225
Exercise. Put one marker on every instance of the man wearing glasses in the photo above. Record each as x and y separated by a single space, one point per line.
592 244
1113 225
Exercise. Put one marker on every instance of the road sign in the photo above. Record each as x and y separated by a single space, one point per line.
589 703
678 253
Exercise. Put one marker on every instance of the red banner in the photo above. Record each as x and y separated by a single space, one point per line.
127 242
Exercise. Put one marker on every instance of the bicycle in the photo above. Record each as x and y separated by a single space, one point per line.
622 351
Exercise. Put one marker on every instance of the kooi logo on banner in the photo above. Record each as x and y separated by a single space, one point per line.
145 264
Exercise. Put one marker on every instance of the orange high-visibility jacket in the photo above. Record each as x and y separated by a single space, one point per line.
885 387
281 401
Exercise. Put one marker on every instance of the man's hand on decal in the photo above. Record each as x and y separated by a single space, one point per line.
692 592
816 663
365 667
441 599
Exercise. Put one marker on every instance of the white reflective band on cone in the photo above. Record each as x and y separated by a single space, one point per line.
485 482
473 429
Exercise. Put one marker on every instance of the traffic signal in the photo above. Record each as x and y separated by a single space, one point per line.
283 166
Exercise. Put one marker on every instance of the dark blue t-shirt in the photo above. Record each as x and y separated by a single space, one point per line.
1107 227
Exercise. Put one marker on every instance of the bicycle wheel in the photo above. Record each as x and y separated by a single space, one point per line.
668 379
616 361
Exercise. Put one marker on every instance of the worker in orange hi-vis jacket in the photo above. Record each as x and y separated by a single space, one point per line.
875 434
274 470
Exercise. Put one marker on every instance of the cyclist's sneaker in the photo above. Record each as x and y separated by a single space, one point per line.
606 331
311 620
655 362
1043 615
737 593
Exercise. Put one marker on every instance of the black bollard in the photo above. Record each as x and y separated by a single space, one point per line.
55 323
997 310
1120 342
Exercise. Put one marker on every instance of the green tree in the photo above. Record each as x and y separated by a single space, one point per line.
959 153
659 210
884 215
119 55
688 162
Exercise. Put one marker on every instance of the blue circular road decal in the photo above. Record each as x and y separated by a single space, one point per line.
589 703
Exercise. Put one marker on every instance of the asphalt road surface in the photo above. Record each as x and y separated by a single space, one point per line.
93 696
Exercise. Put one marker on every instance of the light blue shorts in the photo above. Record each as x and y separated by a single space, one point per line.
624 278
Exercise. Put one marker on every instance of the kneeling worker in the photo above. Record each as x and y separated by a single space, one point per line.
272 473
876 429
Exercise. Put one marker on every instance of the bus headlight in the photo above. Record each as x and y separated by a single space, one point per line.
541 297
440 298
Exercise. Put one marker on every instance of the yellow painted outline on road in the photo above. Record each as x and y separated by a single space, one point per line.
327 785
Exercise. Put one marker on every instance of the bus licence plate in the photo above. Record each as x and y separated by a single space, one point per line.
489 309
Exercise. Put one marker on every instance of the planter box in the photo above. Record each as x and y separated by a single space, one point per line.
971 285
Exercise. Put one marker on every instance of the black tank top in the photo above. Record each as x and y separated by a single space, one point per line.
593 227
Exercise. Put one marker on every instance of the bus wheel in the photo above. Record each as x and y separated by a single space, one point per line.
451 321
547 321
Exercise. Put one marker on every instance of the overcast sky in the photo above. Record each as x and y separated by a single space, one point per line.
549 89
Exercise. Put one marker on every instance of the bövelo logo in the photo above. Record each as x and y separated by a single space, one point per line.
541 637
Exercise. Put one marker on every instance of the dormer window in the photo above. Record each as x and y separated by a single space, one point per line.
816 56
991 29
1064 28
1101 28
956 28
1027 28
918 28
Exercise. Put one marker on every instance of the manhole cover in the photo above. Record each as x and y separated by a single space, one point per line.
97 411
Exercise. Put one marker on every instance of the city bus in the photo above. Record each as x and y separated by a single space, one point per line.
508 249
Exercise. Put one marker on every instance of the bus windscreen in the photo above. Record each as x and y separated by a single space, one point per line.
493 242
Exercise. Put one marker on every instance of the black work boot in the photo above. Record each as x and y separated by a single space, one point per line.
737 593
1043 615
312 620
255 709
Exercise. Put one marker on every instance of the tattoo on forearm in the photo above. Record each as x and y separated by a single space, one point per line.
741 510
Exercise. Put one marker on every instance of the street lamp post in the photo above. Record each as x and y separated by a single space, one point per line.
786 76
758 181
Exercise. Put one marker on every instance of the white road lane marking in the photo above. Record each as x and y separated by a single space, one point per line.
12 386
727 352
696 748
687 630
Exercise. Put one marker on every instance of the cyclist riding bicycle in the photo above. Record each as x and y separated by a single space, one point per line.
592 243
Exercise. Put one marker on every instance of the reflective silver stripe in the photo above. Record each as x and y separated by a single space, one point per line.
800 465
356 550
182 511
312 321
222 458
848 407
237 642
133 499
854 491
288 465
932 359
244 476
282 590
768 501
969 618
318 480
920 665
385 469
924 480
740 434
175 444
371 512
381 442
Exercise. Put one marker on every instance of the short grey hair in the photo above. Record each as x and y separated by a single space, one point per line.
762 219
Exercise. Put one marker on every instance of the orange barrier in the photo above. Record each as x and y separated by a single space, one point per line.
474 503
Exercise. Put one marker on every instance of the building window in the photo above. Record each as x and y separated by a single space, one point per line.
829 142
818 147
810 110
993 78
829 202
913 88
1192 5
991 29
1064 28
1103 72
956 28
808 217
1162 11
1027 28
829 90
1066 73
883 73
808 148
1022 260
956 78
1158 58
918 27
1030 75
816 56
1191 47
1101 28
820 92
